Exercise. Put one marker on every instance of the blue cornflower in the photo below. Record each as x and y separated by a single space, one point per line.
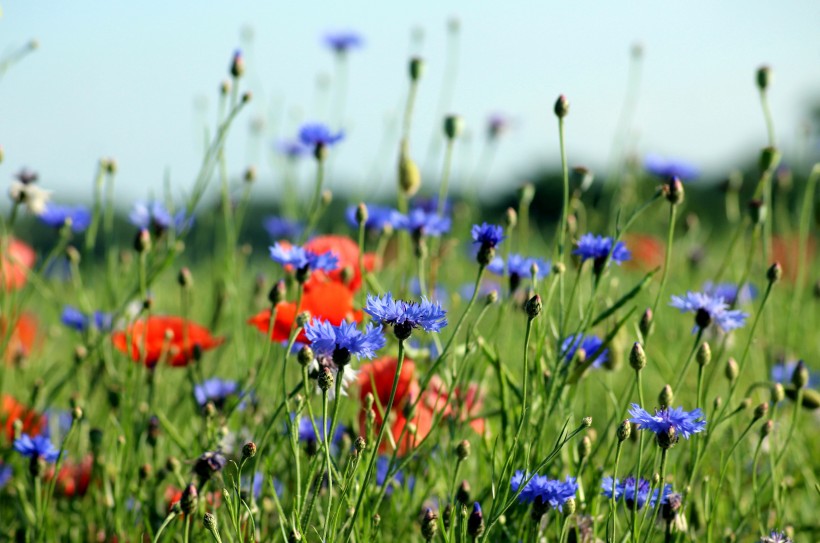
591 345
215 390
730 292
625 491
282 228
598 248
302 259
156 216
543 491
423 223
519 267
343 341
55 216
36 447
776 537
343 40
307 434
318 135
257 484
292 148
782 373
489 235
668 423
378 217
709 309
430 204
76 319
668 168
405 316
396 479
5 474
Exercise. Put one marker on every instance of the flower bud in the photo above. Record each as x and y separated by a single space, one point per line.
453 126
673 191
429 525
774 273
757 211
778 393
731 370
277 292
184 278
766 428
584 447
510 218
561 107
704 354
666 397
760 411
475 523
586 422
302 319
637 357
325 379
361 213
645 325
416 68
188 501
237 65
533 306
624 429
209 520
463 492
492 297
763 77
668 438
360 444
769 158
294 536
142 242
248 450
800 377
463 450
569 507
250 174
409 175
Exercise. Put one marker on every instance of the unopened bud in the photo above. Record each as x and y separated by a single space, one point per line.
704 354
463 450
584 447
360 444
673 191
142 242
453 126
429 525
361 213
569 507
667 438
624 430
249 450
800 377
237 65
189 499
637 357
561 107
731 370
757 211
666 397
778 393
184 278
475 522
302 319
416 68
409 175
645 325
533 306
586 422
766 428
763 77
774 273
769 158
760 411
325 379
510 218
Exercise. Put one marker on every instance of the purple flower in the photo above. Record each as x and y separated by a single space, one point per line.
487 235
423 223
157 217
308 435
215 390
599 248
209 463
497 124
343 40
55 216
684 423
378 217
669 167
782 373
36 447
776 537
708 310
303 259
730 292
316 134
404 316
343 341
430 204
592 345
292 148
76 319
397 479
542 490
625 491
282 228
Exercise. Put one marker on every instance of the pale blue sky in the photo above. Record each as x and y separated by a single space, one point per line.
123 79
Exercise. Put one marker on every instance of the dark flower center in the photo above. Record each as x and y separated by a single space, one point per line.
703 318
402 330
341 356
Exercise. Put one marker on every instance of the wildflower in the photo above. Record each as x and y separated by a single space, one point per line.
487 236
342 41
73 478
648 252
316 135
519 267
669 167
156 337
23 191
347 252
668 424
543 491
782 372
16 260
282 228
591 344
776 537
731 293
155 216
215 390
422 223
708 310
329 301
396 480
626 491
56 216
600 249
22 339
304 260
497 124
76 319
37 447
292 148
208 464
475 522
378 217
5 474
343 341
11 411
405 316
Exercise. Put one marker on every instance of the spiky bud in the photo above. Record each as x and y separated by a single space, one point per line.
637 357
189 499
302 319
305 355
463 450
492 297
209 520
561 107
774 273
704 354
533 306
569 507
586 422
429 525
360 444
248 450
624 430
666 397
325 379
475 522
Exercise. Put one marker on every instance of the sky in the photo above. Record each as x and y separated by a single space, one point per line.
139 81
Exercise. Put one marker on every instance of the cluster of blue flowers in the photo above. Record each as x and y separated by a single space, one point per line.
56 216
632 492
38 447
303 259
601 249
343 341
542 490
76 319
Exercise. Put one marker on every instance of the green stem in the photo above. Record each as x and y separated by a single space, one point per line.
667 259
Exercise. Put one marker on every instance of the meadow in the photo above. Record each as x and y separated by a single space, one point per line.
639 366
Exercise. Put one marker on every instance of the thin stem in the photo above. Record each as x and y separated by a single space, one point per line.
445 176
670 236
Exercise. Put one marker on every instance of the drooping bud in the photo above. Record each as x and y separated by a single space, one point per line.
561 107
704 354
774 273
475 523
666 397
624 430
533 306
637 357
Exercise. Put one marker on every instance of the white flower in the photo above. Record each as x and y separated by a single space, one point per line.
30 195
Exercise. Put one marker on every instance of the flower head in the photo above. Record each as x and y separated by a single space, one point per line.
215 390
544 491
342 41
424 223
378 217
317 134
731 293
708 310
303 259
155 216
669 167
163 337
36 447
592 345
626 491
598 248
343 341
56 216
489 235
405 316
292 148
668 420
282 228
776 537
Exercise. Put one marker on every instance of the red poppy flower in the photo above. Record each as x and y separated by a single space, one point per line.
785 249
648 252
153 336
12 410
329 301
15 262
173 495
73 478
463 406
22 337
347 251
